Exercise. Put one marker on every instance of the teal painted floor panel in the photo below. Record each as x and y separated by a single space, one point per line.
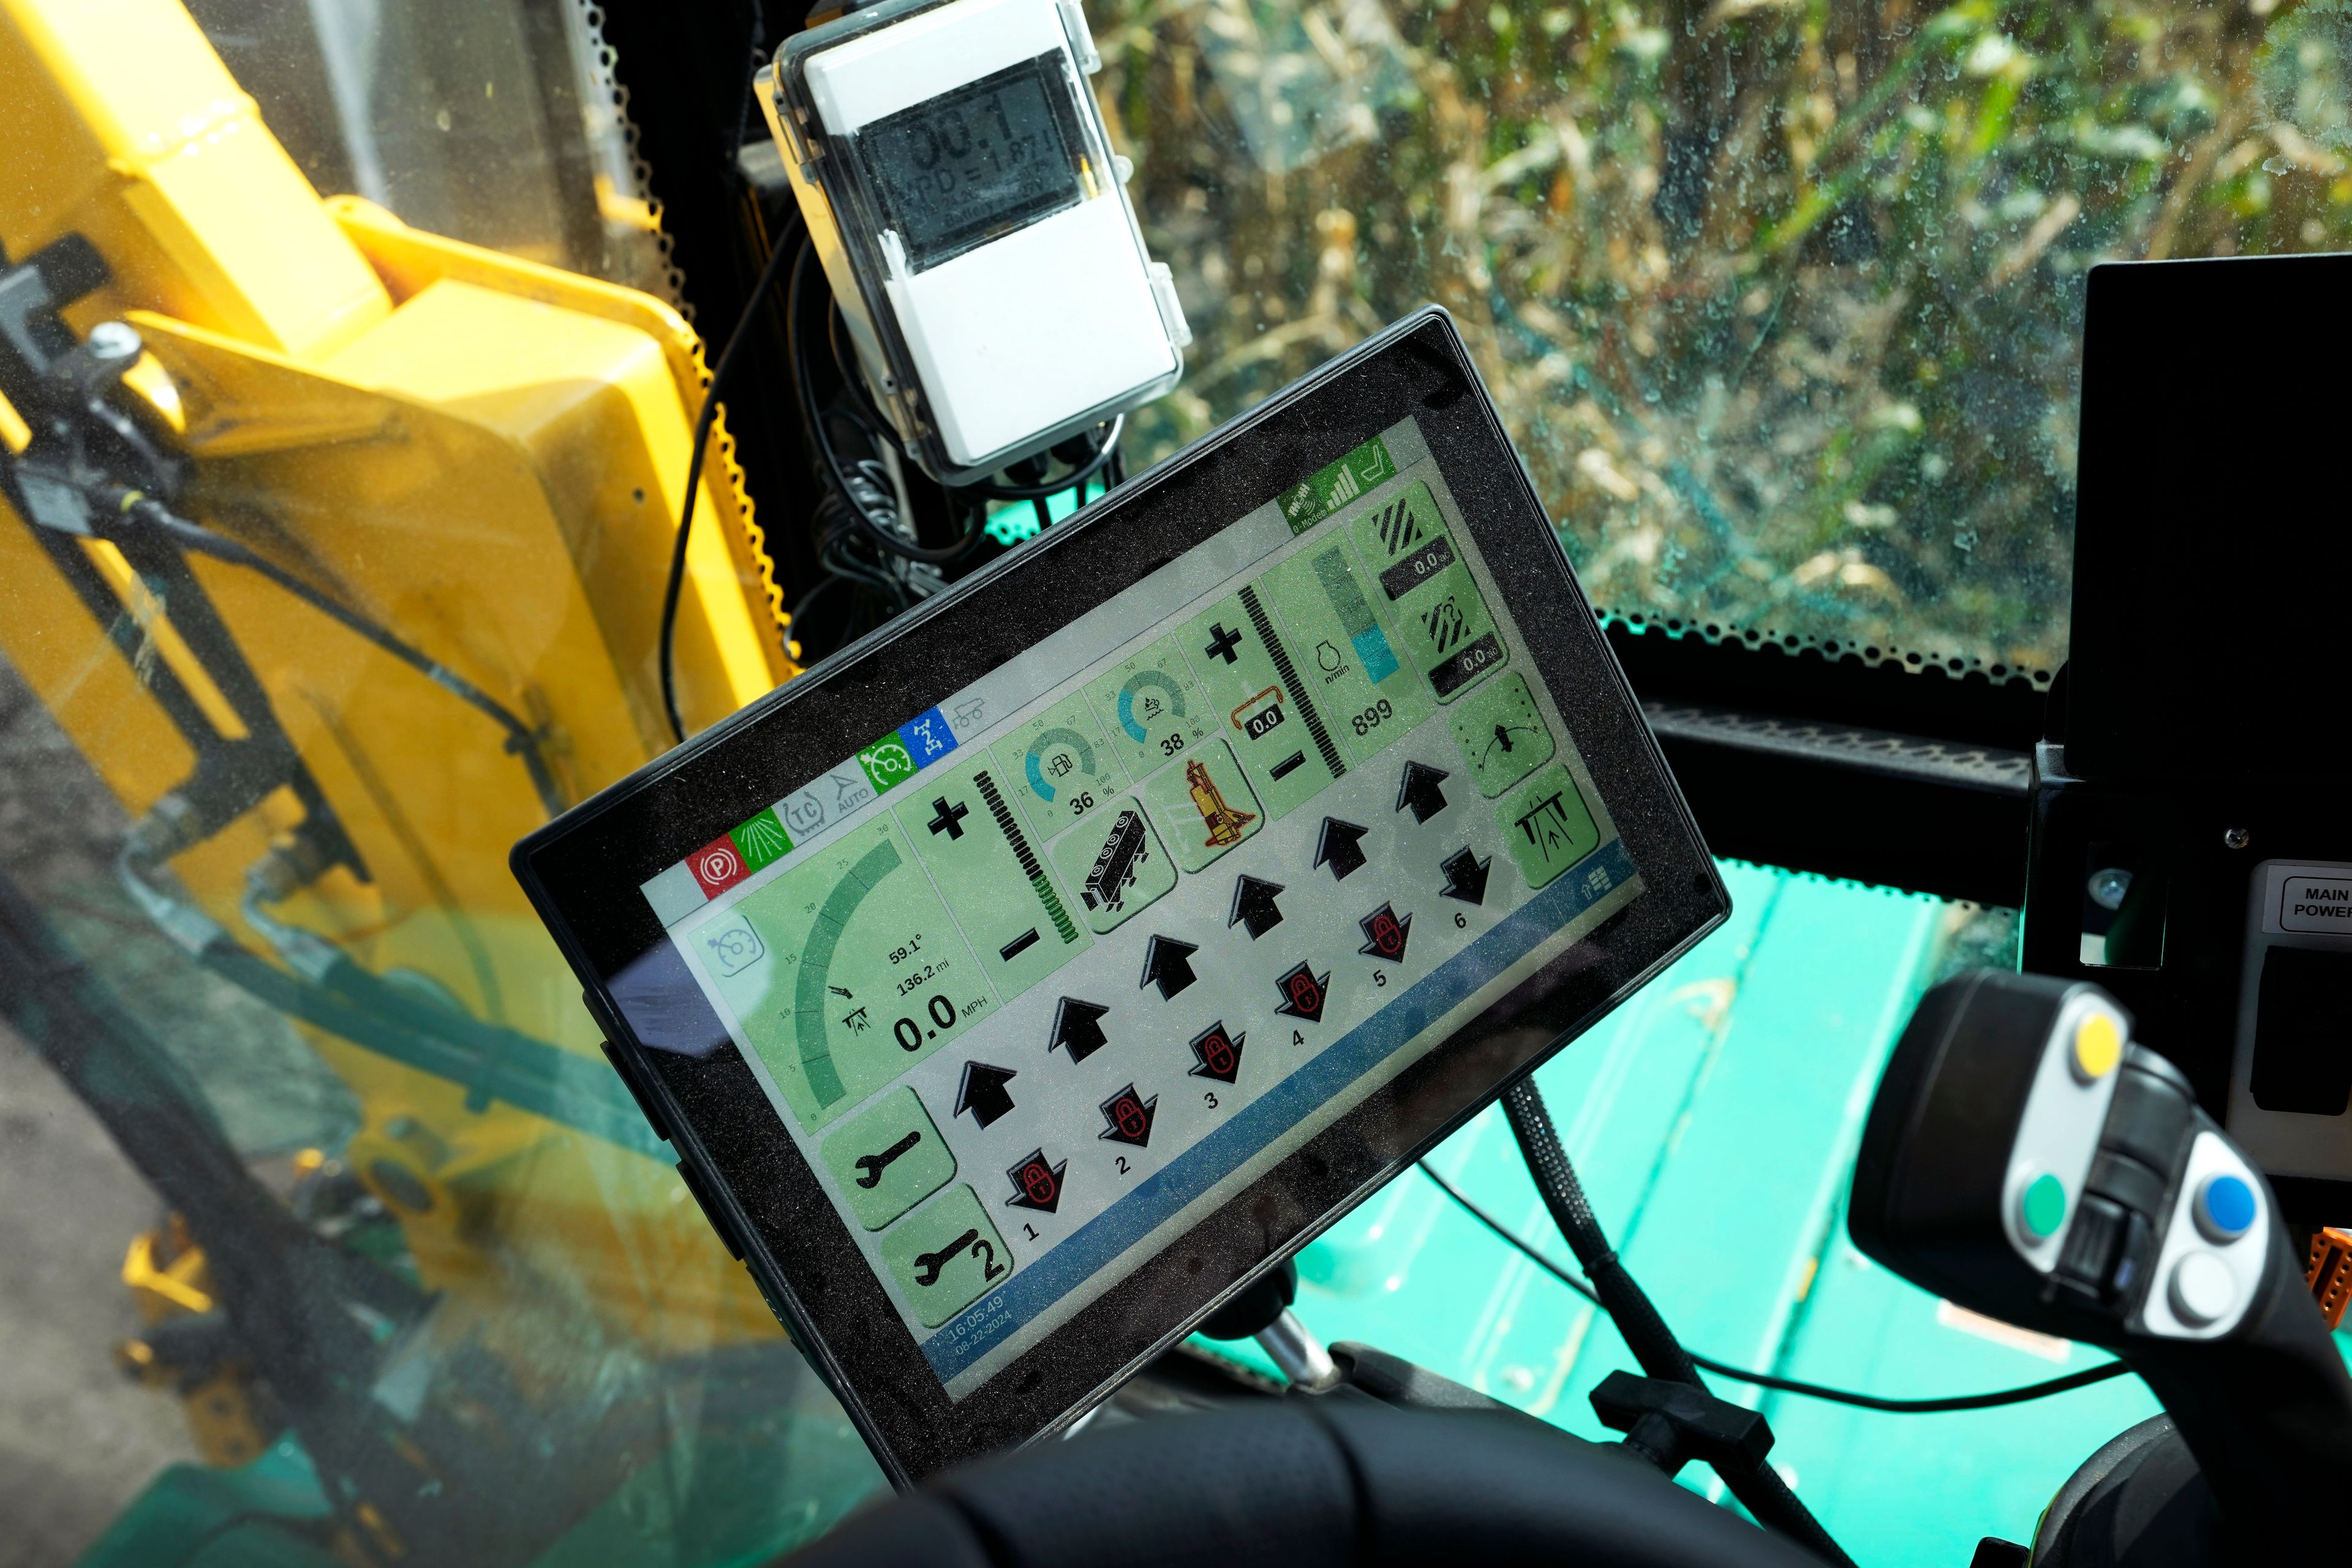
1714 1121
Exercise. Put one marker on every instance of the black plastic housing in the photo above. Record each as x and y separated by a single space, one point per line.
583 873
2266 1410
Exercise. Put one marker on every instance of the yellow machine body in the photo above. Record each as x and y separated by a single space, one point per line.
486 455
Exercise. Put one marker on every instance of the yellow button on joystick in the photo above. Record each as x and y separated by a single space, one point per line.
2098 1047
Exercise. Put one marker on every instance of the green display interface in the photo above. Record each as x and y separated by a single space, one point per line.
1037 978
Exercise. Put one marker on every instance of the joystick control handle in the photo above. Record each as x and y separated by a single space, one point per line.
2024 1159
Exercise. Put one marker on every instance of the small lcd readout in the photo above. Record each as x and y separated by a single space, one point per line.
993 155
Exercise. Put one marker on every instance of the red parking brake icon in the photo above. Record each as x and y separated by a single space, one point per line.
717 866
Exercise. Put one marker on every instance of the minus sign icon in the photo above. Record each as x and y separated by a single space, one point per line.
1018 945
1289 764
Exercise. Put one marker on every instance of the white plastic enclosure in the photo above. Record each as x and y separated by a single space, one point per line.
958 183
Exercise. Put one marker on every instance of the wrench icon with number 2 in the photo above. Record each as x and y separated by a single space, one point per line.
929 1264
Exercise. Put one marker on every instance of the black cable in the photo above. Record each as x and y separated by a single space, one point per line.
1105 451
1106 447
1645 1332
675 585
807 601
1758 1486
2019 1395
670 592
521 739
821 438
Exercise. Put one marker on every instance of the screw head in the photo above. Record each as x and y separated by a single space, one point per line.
2236 837
111 341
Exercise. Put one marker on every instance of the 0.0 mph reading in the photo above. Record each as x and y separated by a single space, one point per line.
910 1034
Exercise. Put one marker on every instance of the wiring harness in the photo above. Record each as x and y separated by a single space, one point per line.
873 559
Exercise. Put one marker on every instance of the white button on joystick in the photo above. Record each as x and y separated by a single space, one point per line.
2202 1290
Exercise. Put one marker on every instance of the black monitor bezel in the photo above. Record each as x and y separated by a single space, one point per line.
582 873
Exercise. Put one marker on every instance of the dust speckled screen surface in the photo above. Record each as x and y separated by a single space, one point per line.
1047 973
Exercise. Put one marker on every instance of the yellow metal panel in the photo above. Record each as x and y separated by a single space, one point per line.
163 639
594 401
410 260
121 124
64 656
493 468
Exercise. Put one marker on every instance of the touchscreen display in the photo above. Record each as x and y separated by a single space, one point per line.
969 165
1048 973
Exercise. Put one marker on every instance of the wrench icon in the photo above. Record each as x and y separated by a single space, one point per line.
929 1264
873 1165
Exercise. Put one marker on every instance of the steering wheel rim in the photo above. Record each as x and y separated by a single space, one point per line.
1328 1483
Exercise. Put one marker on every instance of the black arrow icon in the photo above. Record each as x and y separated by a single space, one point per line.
1218 1053
1253 906
1465 876
1304 992
1077 1028
982 1092
1130 1117
1338 847
1386 933
1417 792
1168 964
1035 1183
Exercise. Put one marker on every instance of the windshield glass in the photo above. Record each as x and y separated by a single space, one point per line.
494 121
330 1236
1782 303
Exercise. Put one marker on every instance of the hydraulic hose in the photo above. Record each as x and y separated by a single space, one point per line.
324 987
522 741
1760 1490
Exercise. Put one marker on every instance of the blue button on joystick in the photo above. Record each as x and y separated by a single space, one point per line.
2225 1208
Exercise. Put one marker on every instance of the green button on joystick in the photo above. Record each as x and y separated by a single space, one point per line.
2045 1206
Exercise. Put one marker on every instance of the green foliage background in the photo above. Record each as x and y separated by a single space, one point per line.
1781 299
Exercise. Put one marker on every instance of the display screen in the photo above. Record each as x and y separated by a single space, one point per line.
968 165
1050 972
